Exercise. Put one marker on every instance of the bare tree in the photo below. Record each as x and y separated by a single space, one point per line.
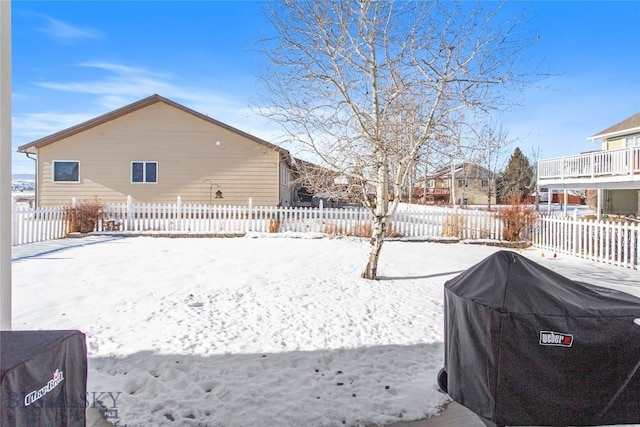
365 85
489 151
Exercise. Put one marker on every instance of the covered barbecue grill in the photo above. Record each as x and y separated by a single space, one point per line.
527 346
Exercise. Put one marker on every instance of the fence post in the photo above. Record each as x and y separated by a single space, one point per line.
635 243
179 214
250 215
74 202
574 237
129 223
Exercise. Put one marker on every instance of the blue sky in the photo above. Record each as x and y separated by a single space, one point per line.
75 60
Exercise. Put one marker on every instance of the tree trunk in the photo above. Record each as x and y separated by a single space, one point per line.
379 229
379 219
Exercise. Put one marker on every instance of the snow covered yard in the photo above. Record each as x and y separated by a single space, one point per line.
259 331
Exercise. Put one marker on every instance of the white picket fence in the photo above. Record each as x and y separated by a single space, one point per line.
29 225
408 221
602 241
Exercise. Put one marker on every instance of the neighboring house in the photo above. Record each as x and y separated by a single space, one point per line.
613 172
472 185
156 150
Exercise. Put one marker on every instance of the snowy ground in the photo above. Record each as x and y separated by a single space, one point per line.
257 331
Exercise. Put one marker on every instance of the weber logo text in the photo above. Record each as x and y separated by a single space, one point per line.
556 339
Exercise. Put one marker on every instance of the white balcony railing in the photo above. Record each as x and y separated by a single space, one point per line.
622 165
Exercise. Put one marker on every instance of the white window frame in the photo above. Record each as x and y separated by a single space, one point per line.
53 172
632 141
144 172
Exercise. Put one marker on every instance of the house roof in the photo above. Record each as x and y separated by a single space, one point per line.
34 145
464 170
627 126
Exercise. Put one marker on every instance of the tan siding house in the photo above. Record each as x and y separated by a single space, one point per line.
473 185
156 150
622 135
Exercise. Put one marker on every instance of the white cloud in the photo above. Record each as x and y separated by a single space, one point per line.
124 84
63 32
28 127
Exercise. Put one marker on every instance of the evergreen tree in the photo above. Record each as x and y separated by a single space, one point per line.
517 177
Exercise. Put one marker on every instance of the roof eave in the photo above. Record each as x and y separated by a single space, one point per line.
614 134
33 146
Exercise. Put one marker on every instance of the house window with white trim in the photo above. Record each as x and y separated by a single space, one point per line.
66 171
632 141
485 182
462 183
144 172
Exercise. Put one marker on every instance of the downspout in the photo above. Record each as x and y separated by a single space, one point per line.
35 182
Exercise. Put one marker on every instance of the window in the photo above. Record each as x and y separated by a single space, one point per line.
66 171
462 183
144 172
632 141
431 183
485 182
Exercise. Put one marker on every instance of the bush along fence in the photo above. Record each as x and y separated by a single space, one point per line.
609 242
614 243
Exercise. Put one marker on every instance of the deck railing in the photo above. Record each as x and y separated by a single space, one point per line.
623 164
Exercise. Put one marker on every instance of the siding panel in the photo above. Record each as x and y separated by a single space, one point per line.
188 150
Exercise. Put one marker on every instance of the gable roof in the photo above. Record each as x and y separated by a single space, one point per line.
464 170
34 145
627 126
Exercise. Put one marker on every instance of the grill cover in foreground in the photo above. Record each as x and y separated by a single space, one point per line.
527 346
43 378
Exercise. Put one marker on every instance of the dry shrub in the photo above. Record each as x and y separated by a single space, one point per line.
516 218
334 230
363 229
452 225
83 216
274 225
484 233
390 232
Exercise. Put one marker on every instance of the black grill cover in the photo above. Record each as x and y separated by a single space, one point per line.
43 379
527 346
